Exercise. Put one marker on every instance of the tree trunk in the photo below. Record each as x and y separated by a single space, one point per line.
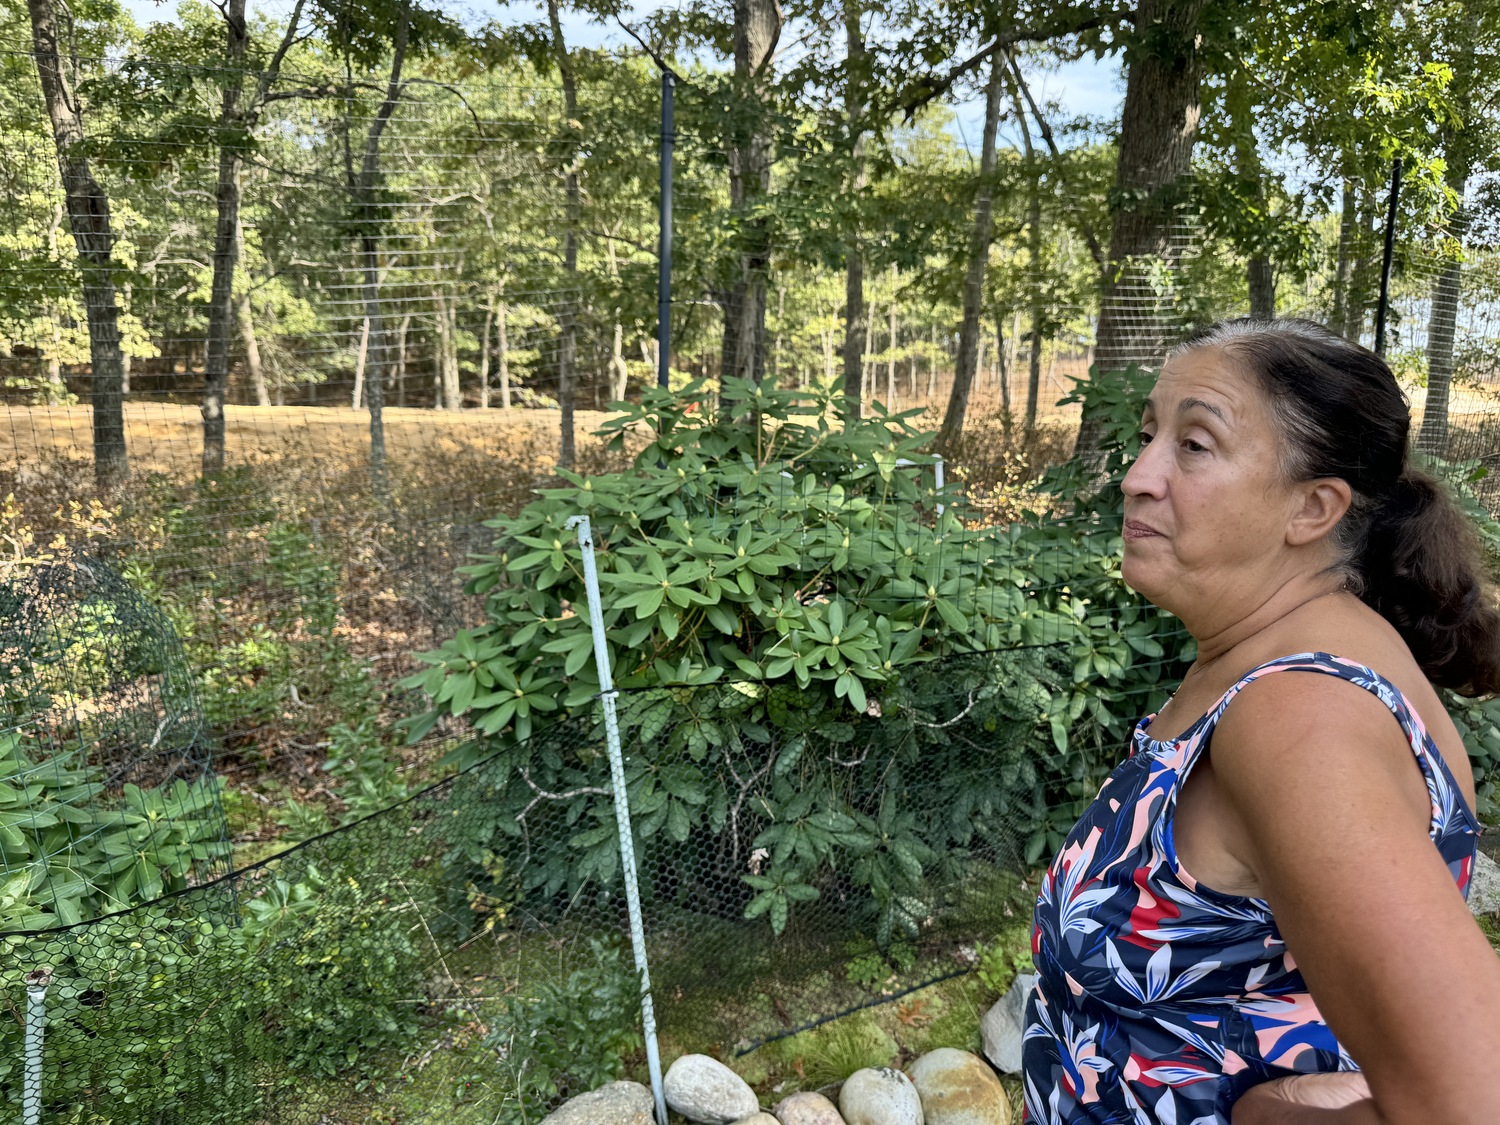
88 218
757 28
453 392
401 332
979 251
1260 279
226 242
1262 282
1338 315
621 374
932 359
890 353
484 353
1459 151
568 314
363 190
126 293
1357 299
1158 126
361 355
854 268
502 355
776 344
1034 249
1004 373
246 317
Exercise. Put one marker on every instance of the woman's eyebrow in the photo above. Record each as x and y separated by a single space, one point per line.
1188 403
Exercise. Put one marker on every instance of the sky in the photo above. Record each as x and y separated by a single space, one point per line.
1089 87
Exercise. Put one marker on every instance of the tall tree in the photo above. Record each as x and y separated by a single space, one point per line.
1034 248
1158 125
855 320
757 29
952 428
1464 140
364 193
88 218
568 316
237 119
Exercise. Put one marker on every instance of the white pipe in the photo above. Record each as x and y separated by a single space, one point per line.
937 472
36 1025
622 811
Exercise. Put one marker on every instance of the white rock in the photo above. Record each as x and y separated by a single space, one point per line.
880 1096
959 1088
706 1091
1484 886
619 1103
807 1109
761 1118
1005 1023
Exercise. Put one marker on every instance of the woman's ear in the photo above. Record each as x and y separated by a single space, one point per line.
1324 503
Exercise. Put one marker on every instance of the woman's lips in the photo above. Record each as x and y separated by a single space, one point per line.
1134 529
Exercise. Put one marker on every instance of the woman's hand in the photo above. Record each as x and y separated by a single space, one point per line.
1276 1102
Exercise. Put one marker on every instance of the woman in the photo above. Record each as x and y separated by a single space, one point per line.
1260 919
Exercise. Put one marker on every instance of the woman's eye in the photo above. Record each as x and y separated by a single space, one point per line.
1143 437
1194 447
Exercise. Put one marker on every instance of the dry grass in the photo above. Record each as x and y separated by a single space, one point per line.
167 437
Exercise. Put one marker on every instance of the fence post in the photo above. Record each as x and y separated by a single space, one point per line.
36 1024
1385 265
937 475
607 695
664 257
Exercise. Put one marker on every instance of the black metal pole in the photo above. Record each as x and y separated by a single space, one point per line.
664 258
1390 253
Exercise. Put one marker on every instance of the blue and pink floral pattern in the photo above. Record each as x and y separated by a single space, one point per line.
1160 1001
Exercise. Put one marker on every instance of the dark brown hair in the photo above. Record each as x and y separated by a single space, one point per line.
1404 545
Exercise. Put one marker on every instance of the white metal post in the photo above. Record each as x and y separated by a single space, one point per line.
937 473
622 811
36 1024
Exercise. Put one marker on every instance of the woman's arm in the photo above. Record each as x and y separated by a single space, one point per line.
1309 1099
1335 811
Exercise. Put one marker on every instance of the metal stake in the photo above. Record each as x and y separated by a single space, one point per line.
1390 253
36 1024
664 258
622 811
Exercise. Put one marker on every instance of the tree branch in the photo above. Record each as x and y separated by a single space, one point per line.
1005 42
1046 130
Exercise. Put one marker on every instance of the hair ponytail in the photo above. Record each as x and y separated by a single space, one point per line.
1419 571
1405 546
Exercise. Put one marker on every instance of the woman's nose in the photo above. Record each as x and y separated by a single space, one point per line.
1145 476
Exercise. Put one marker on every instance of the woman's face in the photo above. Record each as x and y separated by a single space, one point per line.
1206 503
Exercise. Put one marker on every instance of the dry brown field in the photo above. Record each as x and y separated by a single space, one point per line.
168 437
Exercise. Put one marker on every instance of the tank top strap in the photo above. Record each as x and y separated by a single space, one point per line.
1449 808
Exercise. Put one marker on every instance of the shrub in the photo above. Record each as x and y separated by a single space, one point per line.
795 553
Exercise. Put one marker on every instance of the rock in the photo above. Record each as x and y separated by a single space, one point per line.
880 1096
1484 886
807 1109
708 1092
958 1088
761 1118
619 1103
1005 1023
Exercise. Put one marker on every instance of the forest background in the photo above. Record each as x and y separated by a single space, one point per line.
293 300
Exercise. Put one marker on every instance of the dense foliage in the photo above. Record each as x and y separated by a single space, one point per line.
819 668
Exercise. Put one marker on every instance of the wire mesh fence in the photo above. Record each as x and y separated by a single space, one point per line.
806 844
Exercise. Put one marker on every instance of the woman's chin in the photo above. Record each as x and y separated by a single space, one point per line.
1145 579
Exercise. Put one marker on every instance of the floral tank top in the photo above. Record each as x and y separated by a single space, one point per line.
1159 1001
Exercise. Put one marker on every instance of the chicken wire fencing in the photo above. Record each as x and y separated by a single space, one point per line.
789 867
797 855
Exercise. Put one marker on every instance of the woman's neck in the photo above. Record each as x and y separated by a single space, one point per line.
1219 638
